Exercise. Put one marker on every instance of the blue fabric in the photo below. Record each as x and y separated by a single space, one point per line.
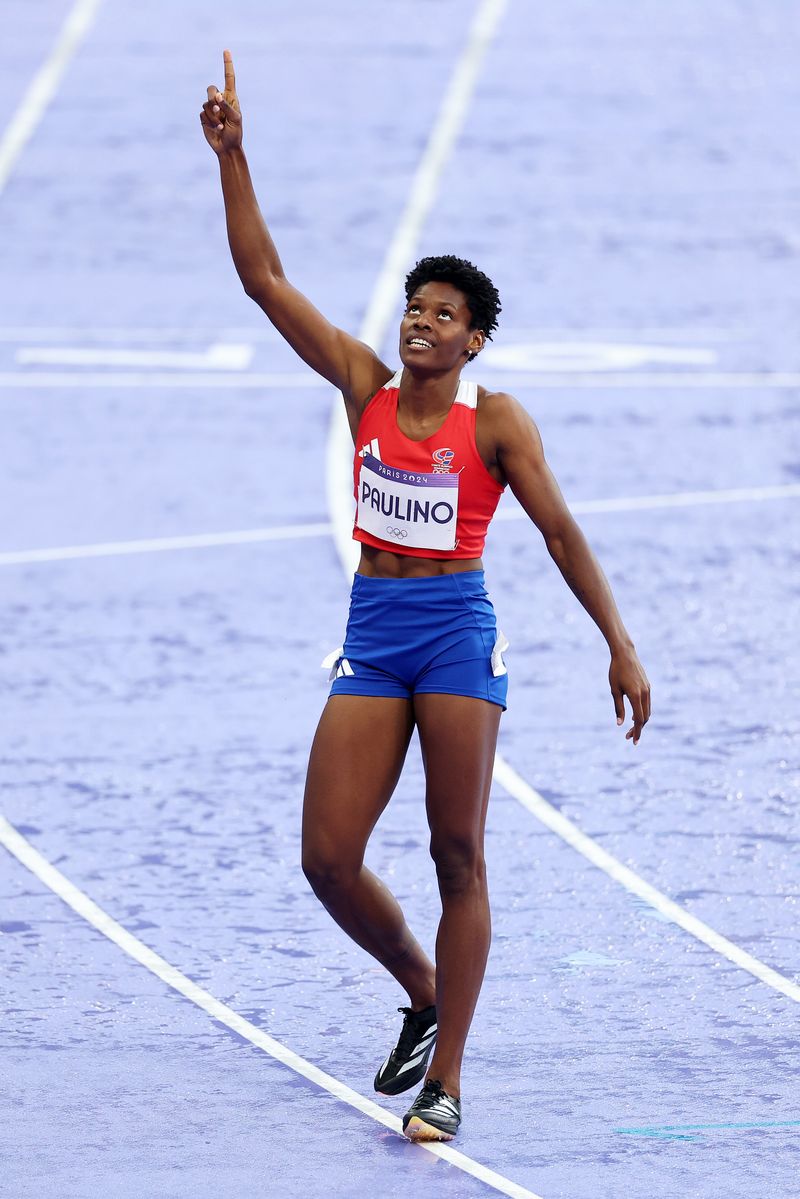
424 635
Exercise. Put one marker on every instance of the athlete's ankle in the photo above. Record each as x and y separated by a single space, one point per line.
450 1082
420 1007
425 997
422 994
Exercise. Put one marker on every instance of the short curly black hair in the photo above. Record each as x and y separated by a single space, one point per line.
483 298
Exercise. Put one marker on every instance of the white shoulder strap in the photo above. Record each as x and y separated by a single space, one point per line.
395 379
467 394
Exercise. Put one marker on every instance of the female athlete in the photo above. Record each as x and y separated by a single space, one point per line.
433 455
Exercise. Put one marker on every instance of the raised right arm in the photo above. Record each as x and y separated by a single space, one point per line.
349 364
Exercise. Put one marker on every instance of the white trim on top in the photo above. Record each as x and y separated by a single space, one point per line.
467 394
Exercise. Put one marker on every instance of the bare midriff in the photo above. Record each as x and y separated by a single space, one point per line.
383 564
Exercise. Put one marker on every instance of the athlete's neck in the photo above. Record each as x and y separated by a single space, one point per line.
426 397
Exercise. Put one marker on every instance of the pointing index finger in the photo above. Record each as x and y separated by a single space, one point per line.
230 78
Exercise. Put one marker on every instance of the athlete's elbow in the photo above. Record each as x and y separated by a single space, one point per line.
256 288
261 285
556 549
562 541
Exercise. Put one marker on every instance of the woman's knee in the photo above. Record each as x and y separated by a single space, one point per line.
460 864
328 870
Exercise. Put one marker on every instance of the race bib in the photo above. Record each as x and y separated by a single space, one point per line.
406 507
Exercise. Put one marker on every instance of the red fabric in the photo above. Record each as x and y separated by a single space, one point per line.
478 492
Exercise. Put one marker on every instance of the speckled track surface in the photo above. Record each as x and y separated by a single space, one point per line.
627 176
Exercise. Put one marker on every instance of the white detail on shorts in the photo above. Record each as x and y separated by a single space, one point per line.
500 647
331 662
344 670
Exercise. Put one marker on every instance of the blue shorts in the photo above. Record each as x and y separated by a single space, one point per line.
421 636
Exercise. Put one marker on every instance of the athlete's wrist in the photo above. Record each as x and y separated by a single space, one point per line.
621 646
230 153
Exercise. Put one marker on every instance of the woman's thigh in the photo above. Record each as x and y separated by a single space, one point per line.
458 736
356 758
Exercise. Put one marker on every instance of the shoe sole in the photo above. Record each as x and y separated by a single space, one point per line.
418 1130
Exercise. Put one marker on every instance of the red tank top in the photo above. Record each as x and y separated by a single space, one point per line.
428 499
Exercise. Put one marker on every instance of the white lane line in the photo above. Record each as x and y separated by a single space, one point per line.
193 541
559 824
22 125
562 356
219 356
387 292
519 789
339 490
109 549
150 382
674 380
627 333
131 335
678 499
89 911
266 332
574 380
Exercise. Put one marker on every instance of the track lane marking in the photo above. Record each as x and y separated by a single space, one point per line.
151 545
151 381
383 300
191 541
675 380
538 806
99 919
672 1132
339 459
450 115
677 499
218 356
20 380
22 125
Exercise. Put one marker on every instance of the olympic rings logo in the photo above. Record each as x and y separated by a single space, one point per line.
401 533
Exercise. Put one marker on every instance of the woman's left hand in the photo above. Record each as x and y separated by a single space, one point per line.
626 677
221 117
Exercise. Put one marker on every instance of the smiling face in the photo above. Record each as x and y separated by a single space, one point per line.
435 331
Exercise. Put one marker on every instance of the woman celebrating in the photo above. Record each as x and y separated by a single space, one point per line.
433 454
